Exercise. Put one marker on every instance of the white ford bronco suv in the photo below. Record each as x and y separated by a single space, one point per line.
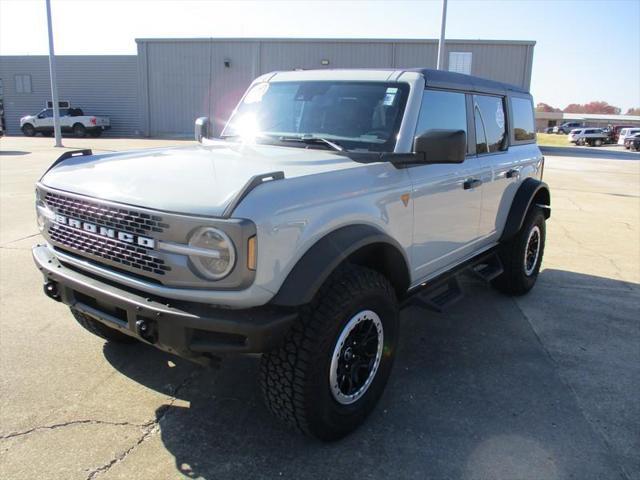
331 199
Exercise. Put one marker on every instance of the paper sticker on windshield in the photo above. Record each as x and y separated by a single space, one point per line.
390 96
500 117
256 93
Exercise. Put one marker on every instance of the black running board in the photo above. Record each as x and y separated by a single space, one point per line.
445 290
489 269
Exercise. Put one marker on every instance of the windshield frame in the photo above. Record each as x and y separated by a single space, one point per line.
272 138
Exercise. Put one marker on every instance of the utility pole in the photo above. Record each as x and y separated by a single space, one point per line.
441 42
54 83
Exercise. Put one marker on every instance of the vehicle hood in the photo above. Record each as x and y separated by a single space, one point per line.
27 118
199 180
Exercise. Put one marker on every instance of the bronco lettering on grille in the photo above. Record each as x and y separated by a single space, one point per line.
106 232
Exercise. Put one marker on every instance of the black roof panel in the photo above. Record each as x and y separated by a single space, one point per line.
459 81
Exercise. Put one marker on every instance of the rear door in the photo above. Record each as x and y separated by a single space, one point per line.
446 204
503 165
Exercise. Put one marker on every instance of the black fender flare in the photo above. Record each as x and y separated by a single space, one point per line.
531 191
317 263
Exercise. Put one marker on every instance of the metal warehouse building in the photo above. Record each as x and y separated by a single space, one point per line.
170 82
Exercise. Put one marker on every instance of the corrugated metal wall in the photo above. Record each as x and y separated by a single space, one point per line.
171 82
100 85
183 79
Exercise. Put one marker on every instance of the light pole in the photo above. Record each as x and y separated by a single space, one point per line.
441 42
54 84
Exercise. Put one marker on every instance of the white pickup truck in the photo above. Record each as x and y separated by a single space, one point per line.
72 120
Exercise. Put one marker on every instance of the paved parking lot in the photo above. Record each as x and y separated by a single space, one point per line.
540 387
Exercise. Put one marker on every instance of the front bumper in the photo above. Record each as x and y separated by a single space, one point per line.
191 330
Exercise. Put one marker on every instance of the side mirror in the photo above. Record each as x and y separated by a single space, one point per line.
441 146
41 115
202 129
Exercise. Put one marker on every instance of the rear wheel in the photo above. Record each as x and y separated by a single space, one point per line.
100 329
522 256
28 130
79 130
334 364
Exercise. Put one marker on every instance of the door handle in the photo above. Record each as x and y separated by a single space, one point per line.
513 173
471 183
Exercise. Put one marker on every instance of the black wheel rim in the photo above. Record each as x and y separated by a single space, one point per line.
356 357
532 251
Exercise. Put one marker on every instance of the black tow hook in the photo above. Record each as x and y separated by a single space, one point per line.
51 290
147 329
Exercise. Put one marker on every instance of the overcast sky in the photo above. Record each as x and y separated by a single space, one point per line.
586 50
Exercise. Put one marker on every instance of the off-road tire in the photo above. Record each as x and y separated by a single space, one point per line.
79 130
514 280
101 330
28 130
295 378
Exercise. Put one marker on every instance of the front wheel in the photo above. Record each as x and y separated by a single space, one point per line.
522 256
334 364
28 130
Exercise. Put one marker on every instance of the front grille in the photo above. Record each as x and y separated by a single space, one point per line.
108 249
122 219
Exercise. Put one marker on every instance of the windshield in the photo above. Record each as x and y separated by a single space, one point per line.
355 115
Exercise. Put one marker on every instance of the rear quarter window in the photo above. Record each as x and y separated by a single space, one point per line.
523 123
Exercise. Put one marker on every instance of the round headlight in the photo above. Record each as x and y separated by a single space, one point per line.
216 255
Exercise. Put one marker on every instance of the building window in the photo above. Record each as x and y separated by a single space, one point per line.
460 62
23 83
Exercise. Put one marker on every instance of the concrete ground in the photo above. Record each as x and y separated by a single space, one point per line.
539 387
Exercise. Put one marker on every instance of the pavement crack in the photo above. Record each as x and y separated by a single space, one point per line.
149 428
69 424
5 245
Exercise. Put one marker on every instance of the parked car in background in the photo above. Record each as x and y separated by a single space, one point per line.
566 127
72 120
593 137
615 132
630 139
625 133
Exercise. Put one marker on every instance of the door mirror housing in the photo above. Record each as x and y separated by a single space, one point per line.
202 128
441 146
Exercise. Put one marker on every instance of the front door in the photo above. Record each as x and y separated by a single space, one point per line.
446 201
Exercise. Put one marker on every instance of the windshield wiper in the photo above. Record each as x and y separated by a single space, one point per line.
313 140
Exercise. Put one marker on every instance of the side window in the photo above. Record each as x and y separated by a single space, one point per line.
441 110
523 123
492 118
